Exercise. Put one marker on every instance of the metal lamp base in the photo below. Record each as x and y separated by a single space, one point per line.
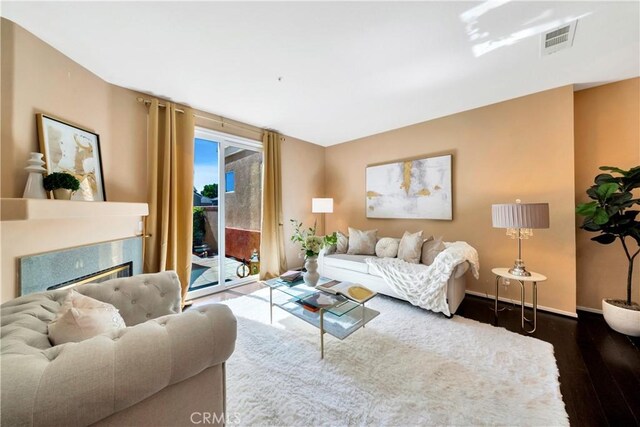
519 269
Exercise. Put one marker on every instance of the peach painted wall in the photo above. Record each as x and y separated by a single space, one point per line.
607 132
36 78
521 148
303 178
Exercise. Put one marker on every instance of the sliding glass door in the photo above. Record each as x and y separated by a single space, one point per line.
226 213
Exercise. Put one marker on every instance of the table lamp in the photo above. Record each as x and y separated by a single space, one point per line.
520 219
322 205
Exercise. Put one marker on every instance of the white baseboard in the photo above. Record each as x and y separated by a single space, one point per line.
526 304
589 309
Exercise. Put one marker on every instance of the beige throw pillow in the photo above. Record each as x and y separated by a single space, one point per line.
431 249
410 247
362 242
343 243
387 247
81 317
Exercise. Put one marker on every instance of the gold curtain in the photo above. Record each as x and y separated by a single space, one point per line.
170 191
272 256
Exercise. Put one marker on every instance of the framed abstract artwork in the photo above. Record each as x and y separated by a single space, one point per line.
68 148
410 189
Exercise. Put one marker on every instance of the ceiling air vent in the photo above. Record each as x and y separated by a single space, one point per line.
559 38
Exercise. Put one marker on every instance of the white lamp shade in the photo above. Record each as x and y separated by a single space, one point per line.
319 205
520 215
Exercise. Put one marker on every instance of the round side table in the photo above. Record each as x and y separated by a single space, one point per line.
533 279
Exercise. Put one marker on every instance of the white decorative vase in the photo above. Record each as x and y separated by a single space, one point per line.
62 194
34 188
312 276
620 319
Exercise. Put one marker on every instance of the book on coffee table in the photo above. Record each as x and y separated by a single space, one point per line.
353 291
307 306
291 276
322 300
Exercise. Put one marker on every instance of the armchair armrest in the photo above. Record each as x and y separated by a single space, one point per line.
82 383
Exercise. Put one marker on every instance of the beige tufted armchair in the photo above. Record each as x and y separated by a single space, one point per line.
160 370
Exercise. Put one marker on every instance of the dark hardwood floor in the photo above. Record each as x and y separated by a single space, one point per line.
599 368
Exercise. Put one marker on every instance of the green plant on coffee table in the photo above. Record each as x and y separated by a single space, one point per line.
611 214
57 180
311 244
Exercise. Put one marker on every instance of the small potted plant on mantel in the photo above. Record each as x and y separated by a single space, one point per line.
610 213
62 184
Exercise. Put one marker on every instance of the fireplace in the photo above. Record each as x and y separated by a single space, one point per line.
75 266
122 270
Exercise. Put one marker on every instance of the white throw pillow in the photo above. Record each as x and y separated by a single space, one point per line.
362 242
343 243
430 250
410 247
387 247
81 317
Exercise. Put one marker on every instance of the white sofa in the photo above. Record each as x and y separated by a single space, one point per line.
353 268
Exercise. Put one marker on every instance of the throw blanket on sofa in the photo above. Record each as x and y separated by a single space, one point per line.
426 286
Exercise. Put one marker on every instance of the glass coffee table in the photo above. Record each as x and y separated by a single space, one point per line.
335 315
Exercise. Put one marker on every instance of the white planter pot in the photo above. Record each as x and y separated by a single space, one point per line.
312 276
622 320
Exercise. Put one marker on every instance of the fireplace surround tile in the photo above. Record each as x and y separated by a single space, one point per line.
41 271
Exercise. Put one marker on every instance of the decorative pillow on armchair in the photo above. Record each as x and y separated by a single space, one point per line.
81 317
431 249
410 247
362 242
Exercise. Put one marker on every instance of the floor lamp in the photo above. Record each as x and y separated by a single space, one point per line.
519 219
323 206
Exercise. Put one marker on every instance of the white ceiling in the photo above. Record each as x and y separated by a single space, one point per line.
347 70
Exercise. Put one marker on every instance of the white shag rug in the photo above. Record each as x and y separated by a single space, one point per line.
406 367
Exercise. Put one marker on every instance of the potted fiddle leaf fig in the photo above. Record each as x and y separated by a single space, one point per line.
611 214
62 184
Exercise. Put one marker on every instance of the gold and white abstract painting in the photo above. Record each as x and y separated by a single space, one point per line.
412 189
73 150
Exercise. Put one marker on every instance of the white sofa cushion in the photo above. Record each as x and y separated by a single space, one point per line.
387 247
348 262
355 263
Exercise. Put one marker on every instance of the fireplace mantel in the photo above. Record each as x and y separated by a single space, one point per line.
33 209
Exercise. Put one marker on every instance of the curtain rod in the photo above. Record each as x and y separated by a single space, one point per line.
220 120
